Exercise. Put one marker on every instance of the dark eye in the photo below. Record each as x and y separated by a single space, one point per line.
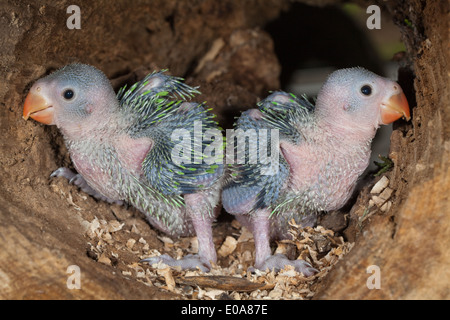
68 94
366 90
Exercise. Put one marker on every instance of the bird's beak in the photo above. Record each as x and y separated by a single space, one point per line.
395 108
38 108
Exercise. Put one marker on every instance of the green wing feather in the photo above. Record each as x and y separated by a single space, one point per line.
159 107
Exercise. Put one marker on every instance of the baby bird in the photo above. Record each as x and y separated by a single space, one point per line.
122 147
317 154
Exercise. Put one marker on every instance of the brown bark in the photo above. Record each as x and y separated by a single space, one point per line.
217 44
410 244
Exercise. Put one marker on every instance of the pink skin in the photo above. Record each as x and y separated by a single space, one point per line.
324 166
334 153
202 225
264 230
103 128
196 220
131 153
311 164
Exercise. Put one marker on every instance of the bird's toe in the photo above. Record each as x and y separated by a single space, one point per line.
280 261
189 262
63 172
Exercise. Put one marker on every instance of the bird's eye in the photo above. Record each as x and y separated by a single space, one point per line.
68 94
366 90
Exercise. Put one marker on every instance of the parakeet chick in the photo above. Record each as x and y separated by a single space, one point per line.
122 148
317 154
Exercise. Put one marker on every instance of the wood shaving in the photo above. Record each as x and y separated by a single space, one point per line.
130 243
119 247
380 195
104 259
380 185
168 278
114 226
228 246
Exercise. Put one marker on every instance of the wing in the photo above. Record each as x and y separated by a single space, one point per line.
258 181
286 112
154 84
184 134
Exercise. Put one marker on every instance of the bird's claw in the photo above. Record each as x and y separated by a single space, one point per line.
77 179
190 261
63 172
279 261
73 178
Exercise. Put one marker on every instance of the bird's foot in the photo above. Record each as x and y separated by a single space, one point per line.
190 261
78 180
279 261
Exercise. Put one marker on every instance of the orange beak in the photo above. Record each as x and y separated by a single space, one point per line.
37 108
395 108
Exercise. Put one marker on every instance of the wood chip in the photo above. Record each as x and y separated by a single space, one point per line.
378 201
386 194
134 229
380 185
93 227
227 247
213 293
322 243
386 207
194 244
114 226
130 243
227 283
168 277
104 259
110 243
70 200
166 240
245 236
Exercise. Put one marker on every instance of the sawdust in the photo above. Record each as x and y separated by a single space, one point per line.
230 278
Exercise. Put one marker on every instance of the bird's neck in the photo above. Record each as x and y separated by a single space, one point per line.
350 146
95 128
346 133
327 165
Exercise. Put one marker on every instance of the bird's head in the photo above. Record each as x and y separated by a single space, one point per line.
358 98
72 98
